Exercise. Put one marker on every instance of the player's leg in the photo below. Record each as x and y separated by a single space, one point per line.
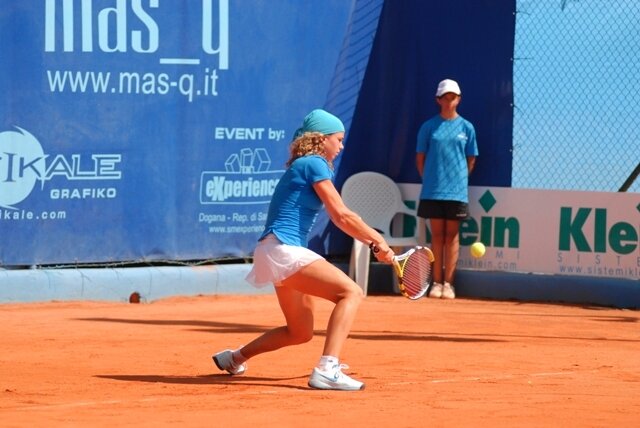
298 312
322 279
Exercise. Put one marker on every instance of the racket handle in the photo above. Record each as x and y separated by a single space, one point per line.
396 267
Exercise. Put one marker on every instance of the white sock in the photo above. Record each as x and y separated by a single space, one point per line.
237 356
327 362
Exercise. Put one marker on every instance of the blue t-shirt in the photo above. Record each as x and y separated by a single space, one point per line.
295 204
446 145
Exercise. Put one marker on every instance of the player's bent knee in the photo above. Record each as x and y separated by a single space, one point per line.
356 292
354 296
301 337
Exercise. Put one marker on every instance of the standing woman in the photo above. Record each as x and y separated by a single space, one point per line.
282 257
446 153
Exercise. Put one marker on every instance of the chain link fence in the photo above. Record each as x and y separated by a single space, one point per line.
577 95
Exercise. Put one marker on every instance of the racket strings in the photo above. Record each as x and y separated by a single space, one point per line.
416 274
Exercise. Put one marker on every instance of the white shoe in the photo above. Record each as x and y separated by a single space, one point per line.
224 361
448 292
436 290
334 379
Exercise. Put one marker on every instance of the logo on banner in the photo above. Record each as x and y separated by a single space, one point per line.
621 237
21 166
500 234
23 163
132 28
246 180
493 231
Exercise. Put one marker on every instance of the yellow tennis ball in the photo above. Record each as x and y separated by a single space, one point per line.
477 249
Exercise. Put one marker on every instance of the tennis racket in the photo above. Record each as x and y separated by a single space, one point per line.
414 271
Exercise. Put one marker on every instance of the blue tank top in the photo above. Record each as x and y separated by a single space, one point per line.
295 204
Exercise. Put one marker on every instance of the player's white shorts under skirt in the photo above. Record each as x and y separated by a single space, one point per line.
274 261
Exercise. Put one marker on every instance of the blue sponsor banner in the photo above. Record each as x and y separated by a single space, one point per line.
138 130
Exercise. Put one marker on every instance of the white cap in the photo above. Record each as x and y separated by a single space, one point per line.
448 85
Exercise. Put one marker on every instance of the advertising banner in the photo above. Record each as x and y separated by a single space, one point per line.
152 129
594 234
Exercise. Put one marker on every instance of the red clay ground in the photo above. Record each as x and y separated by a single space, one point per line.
425 363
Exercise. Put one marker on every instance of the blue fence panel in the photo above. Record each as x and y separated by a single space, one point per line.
417 44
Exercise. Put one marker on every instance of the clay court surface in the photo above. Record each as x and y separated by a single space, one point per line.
425 363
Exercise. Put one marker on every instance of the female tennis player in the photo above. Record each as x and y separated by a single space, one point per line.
282 257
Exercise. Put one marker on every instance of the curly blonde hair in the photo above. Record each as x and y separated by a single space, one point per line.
309 143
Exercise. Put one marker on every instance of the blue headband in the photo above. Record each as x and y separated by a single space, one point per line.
320 121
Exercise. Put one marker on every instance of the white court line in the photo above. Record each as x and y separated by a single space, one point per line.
507 376
78 404
81 404
501 377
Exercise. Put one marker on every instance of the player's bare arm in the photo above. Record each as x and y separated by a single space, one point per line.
350 222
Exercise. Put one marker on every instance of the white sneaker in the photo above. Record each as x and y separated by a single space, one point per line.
334 379
224 361
448 292
436 290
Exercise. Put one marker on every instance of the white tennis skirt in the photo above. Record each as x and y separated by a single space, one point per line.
274 261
